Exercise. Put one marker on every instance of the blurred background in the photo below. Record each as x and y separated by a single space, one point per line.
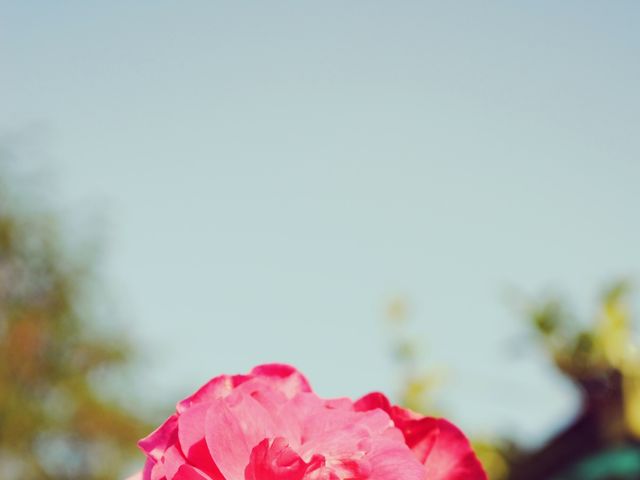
435 200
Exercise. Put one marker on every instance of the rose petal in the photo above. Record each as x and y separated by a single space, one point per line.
226 440
450 456
155 444
388 458
287 379
187 472
437 443
218 387
274 461
191 436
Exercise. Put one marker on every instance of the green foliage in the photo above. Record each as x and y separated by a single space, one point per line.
54 422
586 350
601 356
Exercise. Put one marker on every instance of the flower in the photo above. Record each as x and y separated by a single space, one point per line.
269 425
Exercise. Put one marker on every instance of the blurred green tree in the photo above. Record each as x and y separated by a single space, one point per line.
602 359
55 420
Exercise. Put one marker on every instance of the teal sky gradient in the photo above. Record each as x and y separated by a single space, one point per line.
272 173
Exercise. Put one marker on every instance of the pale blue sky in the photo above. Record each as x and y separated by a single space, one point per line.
271 173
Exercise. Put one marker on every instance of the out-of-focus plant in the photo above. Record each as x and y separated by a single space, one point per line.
495 456
54 421
604 348
601 357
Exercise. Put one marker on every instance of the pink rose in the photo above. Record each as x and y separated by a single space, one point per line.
269 425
